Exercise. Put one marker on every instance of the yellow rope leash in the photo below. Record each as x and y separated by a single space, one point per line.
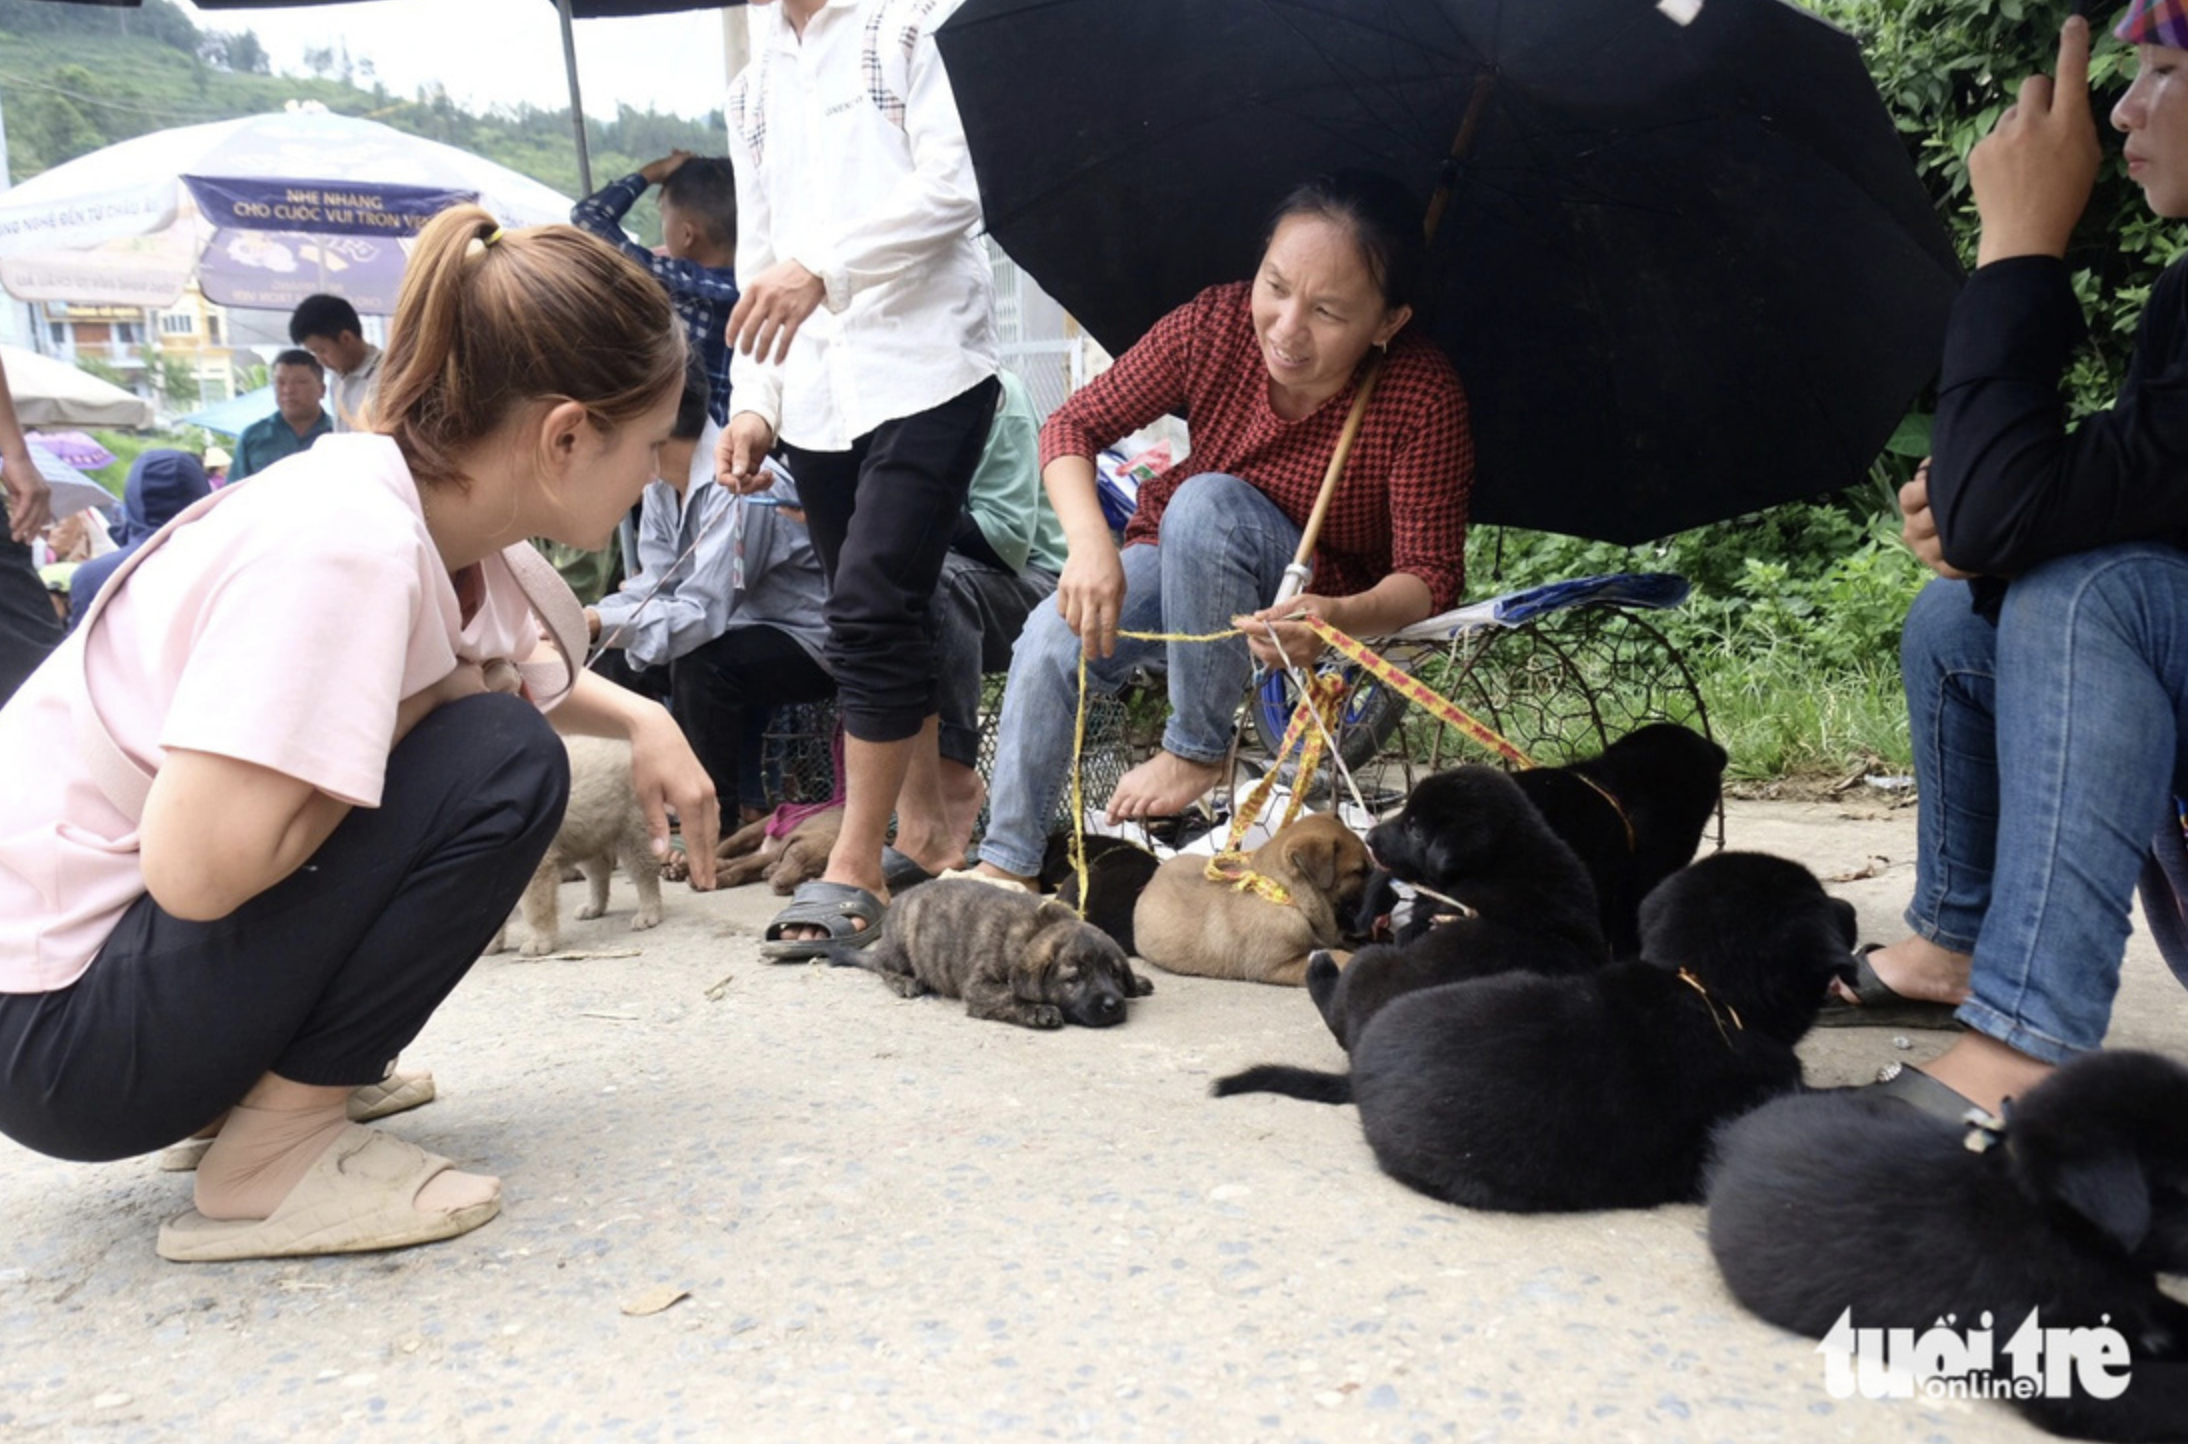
1324 700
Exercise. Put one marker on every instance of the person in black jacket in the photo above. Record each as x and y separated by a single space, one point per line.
2047 667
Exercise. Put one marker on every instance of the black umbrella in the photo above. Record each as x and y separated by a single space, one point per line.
1686 270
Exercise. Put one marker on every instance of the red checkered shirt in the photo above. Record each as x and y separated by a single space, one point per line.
1401 504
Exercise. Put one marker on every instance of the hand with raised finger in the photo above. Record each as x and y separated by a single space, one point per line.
2033 173
767 316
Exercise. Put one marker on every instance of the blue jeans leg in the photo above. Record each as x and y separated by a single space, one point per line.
1949 659
1224 549
1033 740
2092 679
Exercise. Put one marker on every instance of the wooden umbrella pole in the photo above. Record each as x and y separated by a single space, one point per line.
1296 575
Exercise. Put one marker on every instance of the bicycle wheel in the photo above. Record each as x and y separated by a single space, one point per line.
1370 718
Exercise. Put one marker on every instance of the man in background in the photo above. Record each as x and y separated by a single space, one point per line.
697 263
328 327
297 422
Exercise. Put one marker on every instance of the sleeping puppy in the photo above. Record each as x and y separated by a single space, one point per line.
602 826
1634 815
1010 955
800 855
1189 924
1530 1093
1513 896
1117 872
1839 1202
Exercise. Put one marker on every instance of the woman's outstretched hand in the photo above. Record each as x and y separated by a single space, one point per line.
665 773
2033 173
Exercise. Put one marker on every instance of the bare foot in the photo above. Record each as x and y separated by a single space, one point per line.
1985 1071
1162 786
1917 968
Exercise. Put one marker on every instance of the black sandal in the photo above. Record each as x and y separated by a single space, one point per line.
1882 1006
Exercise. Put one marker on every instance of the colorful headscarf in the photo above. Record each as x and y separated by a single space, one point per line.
2155 22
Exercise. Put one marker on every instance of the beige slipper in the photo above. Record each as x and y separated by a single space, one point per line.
396 1093
359 1196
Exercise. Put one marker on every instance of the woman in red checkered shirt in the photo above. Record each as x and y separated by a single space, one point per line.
1265 371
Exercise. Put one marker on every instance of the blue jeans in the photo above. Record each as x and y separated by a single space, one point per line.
1223 550
2046 749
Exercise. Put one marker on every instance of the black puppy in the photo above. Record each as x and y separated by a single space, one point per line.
1117 872
1841 1202
1530 1093
1513 896
1634 815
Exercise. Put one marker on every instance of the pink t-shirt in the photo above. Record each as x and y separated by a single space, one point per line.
282 628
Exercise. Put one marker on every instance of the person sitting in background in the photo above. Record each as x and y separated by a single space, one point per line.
297 422
217 462
698 260
1004 560
728 597
328 327
162 483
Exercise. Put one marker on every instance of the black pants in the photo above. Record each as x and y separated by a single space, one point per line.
322 979
724 693
28 628
881 516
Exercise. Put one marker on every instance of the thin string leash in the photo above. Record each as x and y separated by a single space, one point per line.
735 508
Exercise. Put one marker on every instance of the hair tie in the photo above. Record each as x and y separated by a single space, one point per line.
477 245
492 238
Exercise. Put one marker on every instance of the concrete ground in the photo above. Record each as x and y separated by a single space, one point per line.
892 1222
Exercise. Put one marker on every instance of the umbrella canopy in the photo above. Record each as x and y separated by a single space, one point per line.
1685 270
231 416
69 490
268 209
54 393
73 447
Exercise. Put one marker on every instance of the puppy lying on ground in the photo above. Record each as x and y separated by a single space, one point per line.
1187 923
1634 816
1117 872
1840 1205
1529 1093
602 826
1513 896
1010 955
799 855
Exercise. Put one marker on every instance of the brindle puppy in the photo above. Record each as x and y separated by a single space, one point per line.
1010 955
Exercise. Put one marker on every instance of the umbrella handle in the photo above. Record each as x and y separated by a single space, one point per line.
1295 575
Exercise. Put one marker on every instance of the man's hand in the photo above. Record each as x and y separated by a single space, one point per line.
1918 526
653 172
740 454
772 309
30 500
1090 595
2032 174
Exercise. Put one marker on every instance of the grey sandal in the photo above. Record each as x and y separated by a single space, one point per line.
836 906
1882 1006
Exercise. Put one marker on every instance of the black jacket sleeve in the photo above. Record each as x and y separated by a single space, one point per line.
2011 486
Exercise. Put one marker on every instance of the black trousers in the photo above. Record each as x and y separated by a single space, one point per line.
323 978
881 516
724 693
28 628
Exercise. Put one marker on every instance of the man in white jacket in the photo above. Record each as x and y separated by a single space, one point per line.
865 346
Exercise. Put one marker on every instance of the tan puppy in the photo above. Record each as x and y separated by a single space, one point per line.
800 855
602 826
1188 924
